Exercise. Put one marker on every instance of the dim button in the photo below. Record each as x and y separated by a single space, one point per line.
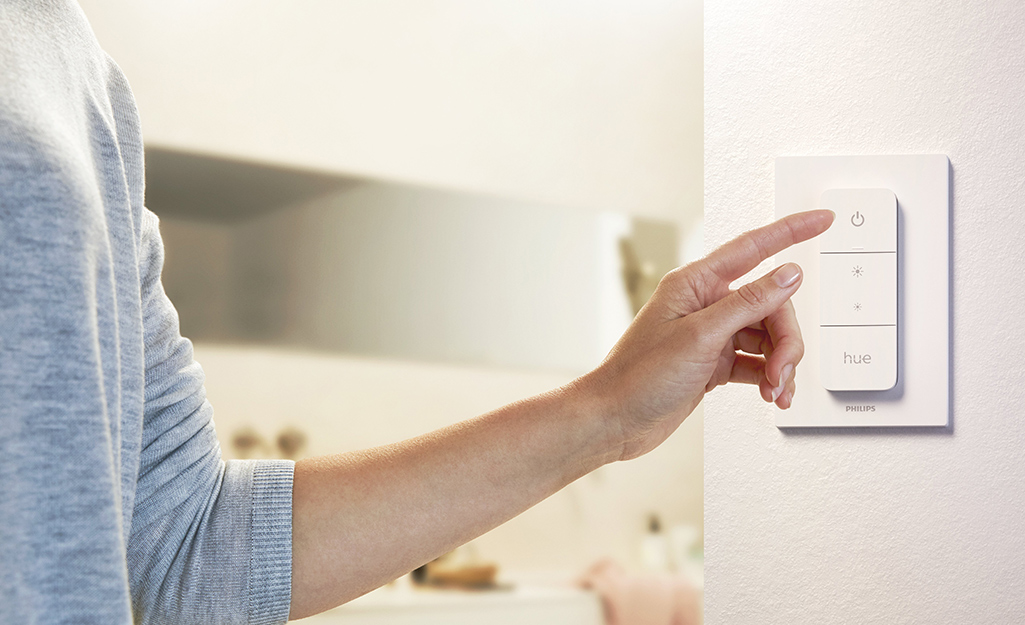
858 358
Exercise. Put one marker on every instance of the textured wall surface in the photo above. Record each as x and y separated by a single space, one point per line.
874 526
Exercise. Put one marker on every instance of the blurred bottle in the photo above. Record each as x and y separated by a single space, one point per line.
655 547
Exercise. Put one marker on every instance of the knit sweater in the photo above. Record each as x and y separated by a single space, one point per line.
115 504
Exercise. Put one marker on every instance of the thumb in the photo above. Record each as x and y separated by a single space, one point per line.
752 302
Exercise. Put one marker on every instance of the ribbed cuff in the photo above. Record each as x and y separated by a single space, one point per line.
270 567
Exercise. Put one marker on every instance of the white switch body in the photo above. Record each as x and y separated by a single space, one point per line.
858 260
921 397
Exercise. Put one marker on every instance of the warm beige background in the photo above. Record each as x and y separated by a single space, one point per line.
592 105
581 103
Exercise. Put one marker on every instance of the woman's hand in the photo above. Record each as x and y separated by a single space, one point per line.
695 334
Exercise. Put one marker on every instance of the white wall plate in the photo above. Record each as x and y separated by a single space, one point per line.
921 396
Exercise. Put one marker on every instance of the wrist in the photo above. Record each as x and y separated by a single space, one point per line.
591 402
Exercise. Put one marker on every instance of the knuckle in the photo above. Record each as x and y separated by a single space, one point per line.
673 275
799 348
686 277
683 288
753 294
671 281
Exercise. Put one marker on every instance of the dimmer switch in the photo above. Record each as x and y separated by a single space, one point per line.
858 291
903 287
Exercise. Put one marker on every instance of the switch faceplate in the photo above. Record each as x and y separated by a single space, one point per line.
858 291
903 321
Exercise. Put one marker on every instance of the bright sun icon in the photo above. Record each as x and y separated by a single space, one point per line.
857 307
858 271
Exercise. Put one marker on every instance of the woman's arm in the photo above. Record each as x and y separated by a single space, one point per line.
362 519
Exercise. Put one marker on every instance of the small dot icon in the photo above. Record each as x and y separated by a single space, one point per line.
857 307
858 271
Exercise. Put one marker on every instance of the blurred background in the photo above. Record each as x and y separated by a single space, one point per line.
382 217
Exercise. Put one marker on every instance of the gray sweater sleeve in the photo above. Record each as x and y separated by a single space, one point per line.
115 504
210 540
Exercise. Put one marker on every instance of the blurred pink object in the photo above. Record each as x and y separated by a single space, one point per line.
643 599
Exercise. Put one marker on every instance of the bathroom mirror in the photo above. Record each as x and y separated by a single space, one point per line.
267 255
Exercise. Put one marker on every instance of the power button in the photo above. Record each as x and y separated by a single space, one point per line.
866 221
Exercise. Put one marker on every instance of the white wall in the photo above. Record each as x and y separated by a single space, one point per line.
573 102
875 526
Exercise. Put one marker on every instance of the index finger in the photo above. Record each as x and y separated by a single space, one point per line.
744 253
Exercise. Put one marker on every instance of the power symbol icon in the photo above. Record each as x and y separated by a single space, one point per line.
857 219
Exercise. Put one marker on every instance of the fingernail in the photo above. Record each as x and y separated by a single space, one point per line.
776 391
786 275
790 399
783 377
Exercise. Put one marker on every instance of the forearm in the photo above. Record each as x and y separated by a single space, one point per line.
362 519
